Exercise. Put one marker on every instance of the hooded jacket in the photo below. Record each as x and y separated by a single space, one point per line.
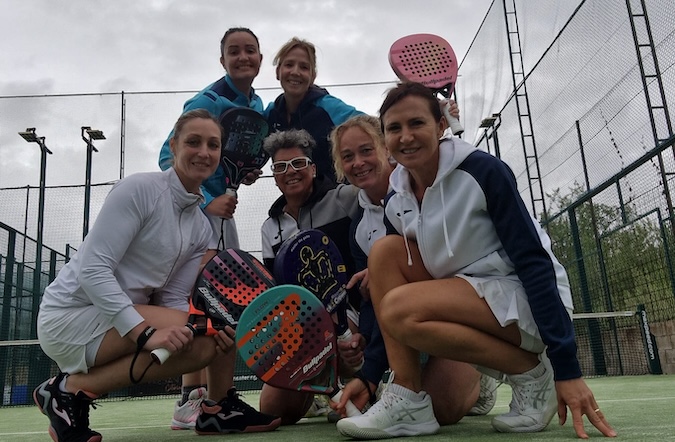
216 98
366 228
318 113
328 208
473 221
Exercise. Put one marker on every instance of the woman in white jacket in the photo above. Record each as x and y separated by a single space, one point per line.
125 292
468 275
361 157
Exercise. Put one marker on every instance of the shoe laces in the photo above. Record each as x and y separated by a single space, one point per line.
194 403
78 408
486 393
234 399
521 396
386 402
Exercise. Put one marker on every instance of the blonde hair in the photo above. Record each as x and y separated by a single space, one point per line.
293 43
371 126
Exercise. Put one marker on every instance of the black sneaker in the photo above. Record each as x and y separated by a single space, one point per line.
68 413
233 415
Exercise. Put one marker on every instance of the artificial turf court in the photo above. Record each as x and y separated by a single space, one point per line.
641 408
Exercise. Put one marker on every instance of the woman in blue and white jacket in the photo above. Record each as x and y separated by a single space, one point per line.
304 105
470 276
360 156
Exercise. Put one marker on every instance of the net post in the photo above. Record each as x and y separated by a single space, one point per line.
651 350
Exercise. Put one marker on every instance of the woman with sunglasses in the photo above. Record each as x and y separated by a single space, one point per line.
308 201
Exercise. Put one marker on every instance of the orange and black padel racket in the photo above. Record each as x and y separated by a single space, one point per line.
227 284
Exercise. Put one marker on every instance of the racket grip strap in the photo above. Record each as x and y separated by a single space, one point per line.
350 408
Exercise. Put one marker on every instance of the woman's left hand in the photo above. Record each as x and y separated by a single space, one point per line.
576 395
225 339
251 177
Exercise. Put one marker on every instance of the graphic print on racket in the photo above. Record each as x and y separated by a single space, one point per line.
312 260
287 338
227 284
427 59
242 152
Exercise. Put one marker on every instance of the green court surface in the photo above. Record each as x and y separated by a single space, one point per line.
640 408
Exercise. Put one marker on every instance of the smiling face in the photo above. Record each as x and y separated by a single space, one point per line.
241 57
411 134
359 158
196 150
296 72
294 184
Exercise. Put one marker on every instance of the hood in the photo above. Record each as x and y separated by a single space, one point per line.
452 151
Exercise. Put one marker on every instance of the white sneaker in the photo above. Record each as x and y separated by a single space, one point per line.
486 398
185 416
393 415
319 406
533 403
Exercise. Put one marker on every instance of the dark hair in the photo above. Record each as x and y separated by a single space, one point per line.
408 89
289 139
194 114
232 31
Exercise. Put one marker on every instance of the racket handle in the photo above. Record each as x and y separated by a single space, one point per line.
346 336
160 355
455 125
350 408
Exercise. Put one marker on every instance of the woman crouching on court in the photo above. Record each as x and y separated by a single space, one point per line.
125 291
466 274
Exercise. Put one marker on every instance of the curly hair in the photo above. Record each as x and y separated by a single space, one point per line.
289 139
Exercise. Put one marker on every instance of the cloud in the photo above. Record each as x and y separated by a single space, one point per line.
102 47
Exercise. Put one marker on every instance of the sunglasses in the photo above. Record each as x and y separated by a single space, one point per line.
297 163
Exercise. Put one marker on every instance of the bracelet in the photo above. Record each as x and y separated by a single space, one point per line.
372 398
144 337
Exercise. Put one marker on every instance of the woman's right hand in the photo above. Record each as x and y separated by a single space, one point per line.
356 391
173 338
362 279
222 206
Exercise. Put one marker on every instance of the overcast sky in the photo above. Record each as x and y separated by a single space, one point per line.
77 46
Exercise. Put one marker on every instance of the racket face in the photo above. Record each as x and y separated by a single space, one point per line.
426 59
228 283
245 130
312 260
285 336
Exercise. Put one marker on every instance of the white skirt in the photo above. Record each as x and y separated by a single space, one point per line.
508 301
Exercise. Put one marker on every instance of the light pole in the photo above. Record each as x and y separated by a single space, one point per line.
92 134
491 124
30 136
